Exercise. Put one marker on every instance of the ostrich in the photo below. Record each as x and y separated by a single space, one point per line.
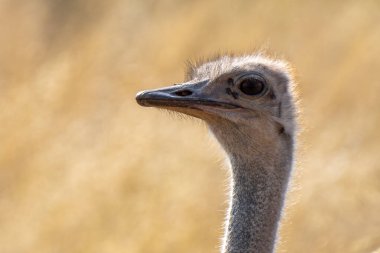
248 105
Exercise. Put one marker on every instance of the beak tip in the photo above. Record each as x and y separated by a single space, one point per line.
140 97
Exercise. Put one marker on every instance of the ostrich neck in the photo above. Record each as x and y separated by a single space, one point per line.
258 186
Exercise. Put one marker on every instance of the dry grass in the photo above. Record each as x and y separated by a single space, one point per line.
84 169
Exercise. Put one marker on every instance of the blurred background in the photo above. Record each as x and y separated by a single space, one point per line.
83 168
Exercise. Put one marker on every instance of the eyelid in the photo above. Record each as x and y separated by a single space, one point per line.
244 76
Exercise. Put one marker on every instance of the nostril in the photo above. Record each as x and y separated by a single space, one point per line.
183 93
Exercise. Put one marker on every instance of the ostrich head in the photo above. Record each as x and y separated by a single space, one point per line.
233 94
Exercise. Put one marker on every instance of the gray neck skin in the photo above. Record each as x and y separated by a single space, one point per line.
260 173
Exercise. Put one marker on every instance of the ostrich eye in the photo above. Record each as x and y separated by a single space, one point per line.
252 85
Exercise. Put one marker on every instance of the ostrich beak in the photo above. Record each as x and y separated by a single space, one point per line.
187 95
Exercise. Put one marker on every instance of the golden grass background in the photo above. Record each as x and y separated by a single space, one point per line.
84 169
